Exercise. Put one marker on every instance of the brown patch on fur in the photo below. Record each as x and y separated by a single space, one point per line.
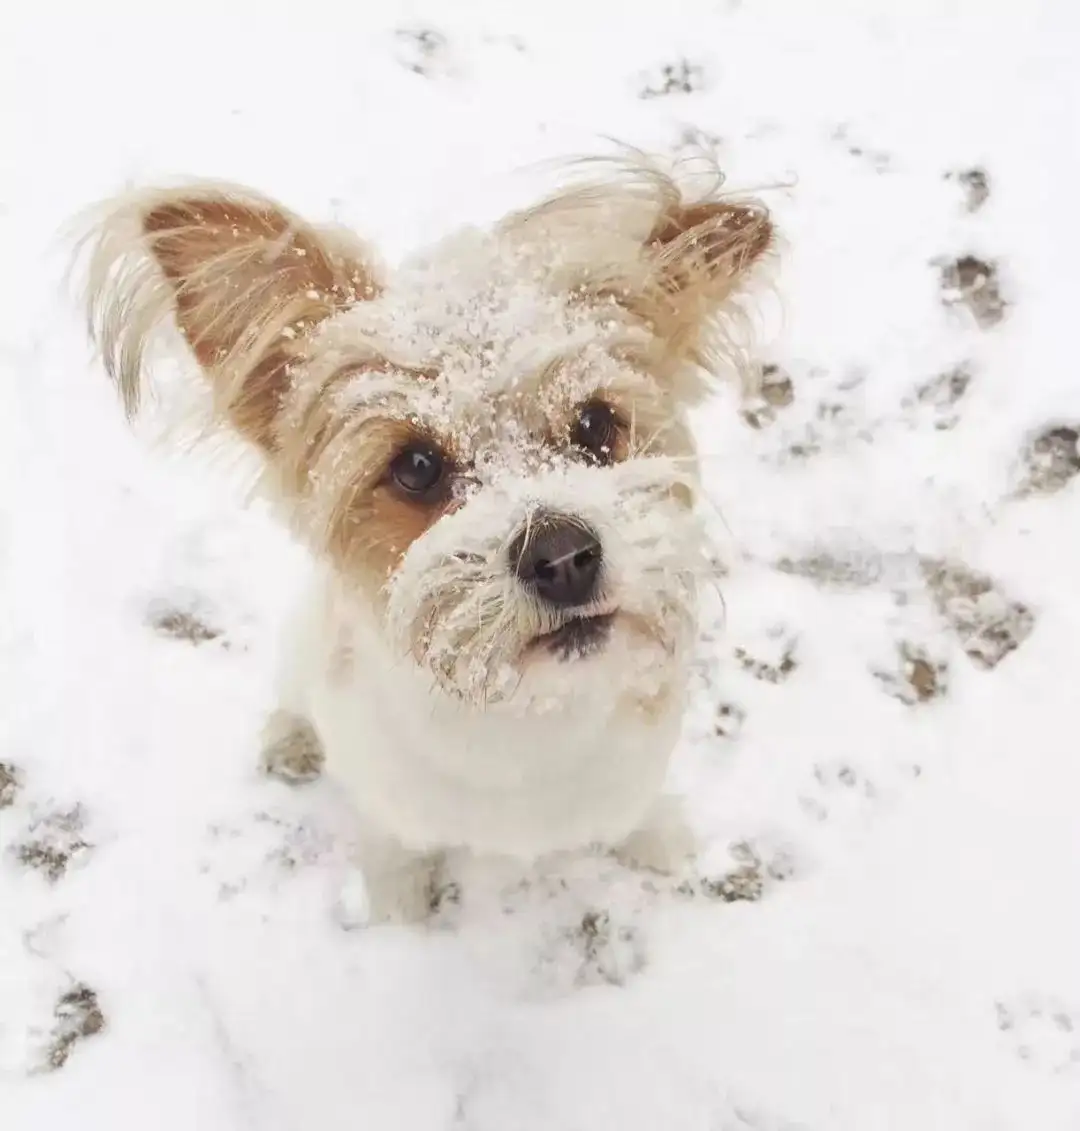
722 237
211 250
700 254
246 281
256 292
370 525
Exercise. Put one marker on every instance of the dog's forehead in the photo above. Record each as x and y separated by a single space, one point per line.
481 339
482 311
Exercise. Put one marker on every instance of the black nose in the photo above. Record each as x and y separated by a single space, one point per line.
557 558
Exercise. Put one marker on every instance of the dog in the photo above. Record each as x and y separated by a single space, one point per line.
487 453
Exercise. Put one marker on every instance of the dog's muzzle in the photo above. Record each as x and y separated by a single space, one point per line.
558 559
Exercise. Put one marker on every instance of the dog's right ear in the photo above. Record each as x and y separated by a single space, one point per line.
246 281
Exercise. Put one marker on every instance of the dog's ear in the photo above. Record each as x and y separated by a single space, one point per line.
702 252
632 238
698 259
246 281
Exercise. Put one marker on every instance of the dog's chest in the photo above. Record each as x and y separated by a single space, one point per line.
435 776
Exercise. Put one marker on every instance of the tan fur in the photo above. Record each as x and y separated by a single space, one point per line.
245 280
370 526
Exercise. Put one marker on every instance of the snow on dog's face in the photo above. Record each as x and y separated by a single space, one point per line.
490 444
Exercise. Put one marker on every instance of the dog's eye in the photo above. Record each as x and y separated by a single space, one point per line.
418 469
596 432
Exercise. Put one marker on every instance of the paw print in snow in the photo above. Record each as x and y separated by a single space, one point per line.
77 1016
773 659
975 185
10 784
679 77
53 842
756 868
264 853
596 951
988 623
187 617
1043 1030
936 402
775 390
835 785
973 283
918 677
1052 460
844 570
422 50
728 720
695 142
878 159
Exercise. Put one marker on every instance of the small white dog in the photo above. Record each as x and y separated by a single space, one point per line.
487 453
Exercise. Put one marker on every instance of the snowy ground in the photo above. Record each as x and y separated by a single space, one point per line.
881 756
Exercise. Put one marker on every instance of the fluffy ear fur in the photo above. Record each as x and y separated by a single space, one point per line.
245 280
700 254
679 264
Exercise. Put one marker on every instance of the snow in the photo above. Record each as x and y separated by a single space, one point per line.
904 952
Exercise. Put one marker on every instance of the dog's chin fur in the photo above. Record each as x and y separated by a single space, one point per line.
461 706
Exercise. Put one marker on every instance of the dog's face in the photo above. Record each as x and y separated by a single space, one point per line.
489 444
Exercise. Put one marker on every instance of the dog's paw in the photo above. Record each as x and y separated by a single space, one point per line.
402 895
291 750
392 886
663 843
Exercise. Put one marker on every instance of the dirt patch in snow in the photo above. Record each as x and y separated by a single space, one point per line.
167 619
1052 460
775 390
975 185
53 842
77 1016
939 398
773 660
678 77
988 623
973 283
918 677
10 783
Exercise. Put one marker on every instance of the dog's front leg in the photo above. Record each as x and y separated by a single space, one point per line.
663 842
390 883
290 748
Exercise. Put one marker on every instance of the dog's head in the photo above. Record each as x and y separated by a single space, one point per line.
489 444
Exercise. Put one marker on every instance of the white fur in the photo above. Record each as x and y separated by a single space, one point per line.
575 756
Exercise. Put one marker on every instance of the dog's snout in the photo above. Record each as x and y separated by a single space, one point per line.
558 558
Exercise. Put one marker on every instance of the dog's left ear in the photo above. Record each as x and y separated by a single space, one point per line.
245 281
698 258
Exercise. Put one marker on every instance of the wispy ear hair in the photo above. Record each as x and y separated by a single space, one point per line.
245 281
679 262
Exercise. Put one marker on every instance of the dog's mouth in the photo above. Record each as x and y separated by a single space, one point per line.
579 637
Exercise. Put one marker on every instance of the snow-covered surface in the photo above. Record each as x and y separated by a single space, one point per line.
906 830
